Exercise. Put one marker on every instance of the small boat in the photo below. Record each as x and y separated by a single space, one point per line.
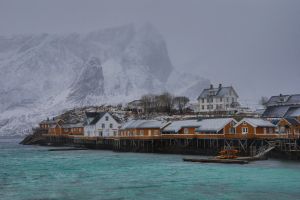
216 160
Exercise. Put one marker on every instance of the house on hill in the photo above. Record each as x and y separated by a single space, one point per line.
220 99
283 106
254 126
101 124
217 126
136 106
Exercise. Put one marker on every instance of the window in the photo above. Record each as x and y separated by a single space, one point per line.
110 125
271 130
233 99
281 129
103 125
142 132
186 130
221 99
265 130
244 123
149 132
115 133
202 100
232 130
244 130
202 107
106 118
155 132
227 99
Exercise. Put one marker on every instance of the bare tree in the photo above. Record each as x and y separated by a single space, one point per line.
165 102
180 102
148 103
263 101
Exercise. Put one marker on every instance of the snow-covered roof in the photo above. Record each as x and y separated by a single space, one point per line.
142 124
214 125
51 121
255 122
292 121
284 100
78 125
294 112
175 126
217 92
275 111
282 111
93 117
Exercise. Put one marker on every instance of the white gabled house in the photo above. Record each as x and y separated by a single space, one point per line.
101 124
220 99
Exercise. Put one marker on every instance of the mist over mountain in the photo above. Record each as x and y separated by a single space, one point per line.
41 75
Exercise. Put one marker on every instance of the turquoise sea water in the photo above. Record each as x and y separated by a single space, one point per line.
32 172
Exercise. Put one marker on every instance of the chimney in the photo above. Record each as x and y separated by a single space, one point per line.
211 86
220 86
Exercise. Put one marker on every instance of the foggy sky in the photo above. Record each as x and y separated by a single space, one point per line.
253 45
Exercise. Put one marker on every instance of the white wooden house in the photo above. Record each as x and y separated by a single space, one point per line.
218 99
101 124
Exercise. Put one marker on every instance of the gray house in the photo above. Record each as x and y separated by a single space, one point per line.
283 106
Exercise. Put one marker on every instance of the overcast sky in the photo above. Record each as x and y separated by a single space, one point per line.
253 45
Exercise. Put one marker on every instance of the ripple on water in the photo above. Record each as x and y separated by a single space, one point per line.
31 172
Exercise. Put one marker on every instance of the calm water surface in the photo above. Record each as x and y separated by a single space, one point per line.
31 172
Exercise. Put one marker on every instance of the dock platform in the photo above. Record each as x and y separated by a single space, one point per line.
215 160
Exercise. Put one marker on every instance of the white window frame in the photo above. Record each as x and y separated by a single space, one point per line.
245 130
232 130
186 131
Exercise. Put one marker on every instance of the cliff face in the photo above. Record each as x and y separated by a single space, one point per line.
41 75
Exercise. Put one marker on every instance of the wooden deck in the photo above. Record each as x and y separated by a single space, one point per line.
185 136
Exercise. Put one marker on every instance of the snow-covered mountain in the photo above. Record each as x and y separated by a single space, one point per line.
41 75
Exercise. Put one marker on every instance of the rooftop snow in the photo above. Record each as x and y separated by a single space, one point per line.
284 100
142 124
218 92
276 111
175 126
293 112
257 122
213 125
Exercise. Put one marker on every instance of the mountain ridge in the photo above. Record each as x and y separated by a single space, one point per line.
41 75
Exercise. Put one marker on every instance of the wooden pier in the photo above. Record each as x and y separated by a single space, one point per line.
208 144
